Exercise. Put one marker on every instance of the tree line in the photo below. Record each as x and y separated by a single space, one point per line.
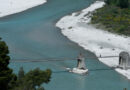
119 3
31 80
113 17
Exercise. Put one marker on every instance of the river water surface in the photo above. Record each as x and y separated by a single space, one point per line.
32 35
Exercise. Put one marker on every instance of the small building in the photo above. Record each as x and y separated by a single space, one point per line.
124 60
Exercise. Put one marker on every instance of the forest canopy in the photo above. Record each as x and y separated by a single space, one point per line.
114 16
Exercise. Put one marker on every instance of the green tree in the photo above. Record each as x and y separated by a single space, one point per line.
5 72
109 1
33 80
119 3
37 76
29 81
21 73
123 3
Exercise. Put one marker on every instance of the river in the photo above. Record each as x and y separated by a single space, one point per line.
32 35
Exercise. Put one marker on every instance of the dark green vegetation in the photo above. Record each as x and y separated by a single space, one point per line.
119 3
32 80
6 75
115 16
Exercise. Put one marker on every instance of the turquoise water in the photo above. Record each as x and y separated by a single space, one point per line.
32 35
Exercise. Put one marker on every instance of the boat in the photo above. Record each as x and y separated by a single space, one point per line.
79 71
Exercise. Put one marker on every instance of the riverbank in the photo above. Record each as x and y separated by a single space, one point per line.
8 7
77 28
